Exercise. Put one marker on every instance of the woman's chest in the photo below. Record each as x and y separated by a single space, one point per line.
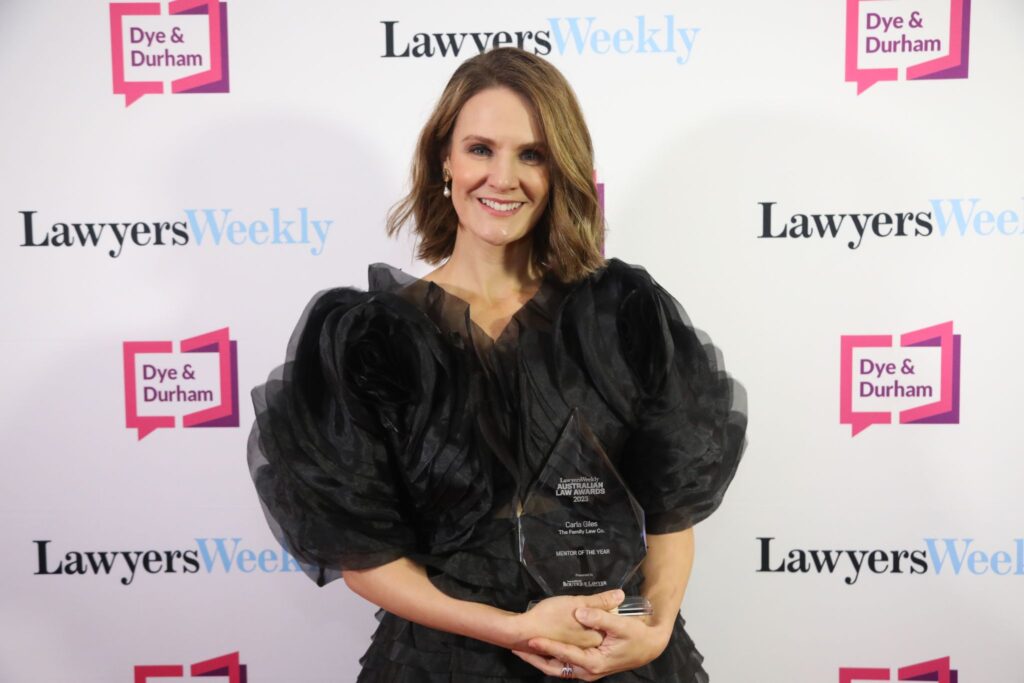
533 399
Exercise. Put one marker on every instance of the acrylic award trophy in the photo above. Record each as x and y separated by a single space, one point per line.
580 529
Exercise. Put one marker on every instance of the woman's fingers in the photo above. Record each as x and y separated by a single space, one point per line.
545 664
553 667
584 659
607 601
601 620
587 638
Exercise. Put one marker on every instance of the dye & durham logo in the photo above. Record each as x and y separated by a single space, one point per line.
915 39
229 666
967 218
209 556
934 670
197 386
919 379
950 557
184 51
199 227
665 35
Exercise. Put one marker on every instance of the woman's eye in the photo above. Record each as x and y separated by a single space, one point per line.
532 156
479 150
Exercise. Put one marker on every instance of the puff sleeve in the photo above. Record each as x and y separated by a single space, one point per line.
322 452
684 428
689 434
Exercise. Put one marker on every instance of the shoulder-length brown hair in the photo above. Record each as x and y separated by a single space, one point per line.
568 239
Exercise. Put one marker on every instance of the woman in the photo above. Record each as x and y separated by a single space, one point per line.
395 446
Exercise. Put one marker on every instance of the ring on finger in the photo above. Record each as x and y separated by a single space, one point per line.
568 671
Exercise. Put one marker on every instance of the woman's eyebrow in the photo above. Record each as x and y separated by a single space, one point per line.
488 141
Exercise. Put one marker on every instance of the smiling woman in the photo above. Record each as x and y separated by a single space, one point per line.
495 168
401 444
508 124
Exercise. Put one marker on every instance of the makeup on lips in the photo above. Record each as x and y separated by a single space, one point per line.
498 207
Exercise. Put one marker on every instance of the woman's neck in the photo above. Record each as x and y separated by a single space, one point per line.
489 273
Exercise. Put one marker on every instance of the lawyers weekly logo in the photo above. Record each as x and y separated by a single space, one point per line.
206 228
195 386
945 557
209 556
182 51
951 218
918 380
584 36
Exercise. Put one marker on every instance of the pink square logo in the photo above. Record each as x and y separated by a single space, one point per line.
937 670
183 51
889 40
228 668
919 380
197 386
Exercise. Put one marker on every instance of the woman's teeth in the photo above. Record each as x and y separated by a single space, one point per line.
498 206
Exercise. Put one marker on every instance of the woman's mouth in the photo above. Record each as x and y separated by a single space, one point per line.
500 208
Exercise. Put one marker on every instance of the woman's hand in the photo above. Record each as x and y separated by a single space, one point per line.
556 620
628 642
403 588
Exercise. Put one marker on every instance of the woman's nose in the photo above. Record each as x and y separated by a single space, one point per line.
503 173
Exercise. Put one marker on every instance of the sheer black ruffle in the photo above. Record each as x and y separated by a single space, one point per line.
634 343
397 427
361 451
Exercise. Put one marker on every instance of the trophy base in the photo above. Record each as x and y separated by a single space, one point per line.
632 606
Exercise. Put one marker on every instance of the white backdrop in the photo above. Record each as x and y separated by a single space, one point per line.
689 144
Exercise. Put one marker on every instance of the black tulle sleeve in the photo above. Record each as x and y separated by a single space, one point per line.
690 421
322 450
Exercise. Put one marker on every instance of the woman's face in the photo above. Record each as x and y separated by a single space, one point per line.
498 166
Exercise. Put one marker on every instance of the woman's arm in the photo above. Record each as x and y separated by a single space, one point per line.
666 573
629 641
402 588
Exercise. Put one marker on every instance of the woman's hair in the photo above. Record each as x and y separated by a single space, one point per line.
568 239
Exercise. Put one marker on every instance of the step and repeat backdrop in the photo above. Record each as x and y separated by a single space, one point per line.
834 190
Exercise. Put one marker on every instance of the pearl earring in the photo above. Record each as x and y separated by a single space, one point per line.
447 192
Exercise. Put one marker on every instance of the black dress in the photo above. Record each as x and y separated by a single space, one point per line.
398 428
